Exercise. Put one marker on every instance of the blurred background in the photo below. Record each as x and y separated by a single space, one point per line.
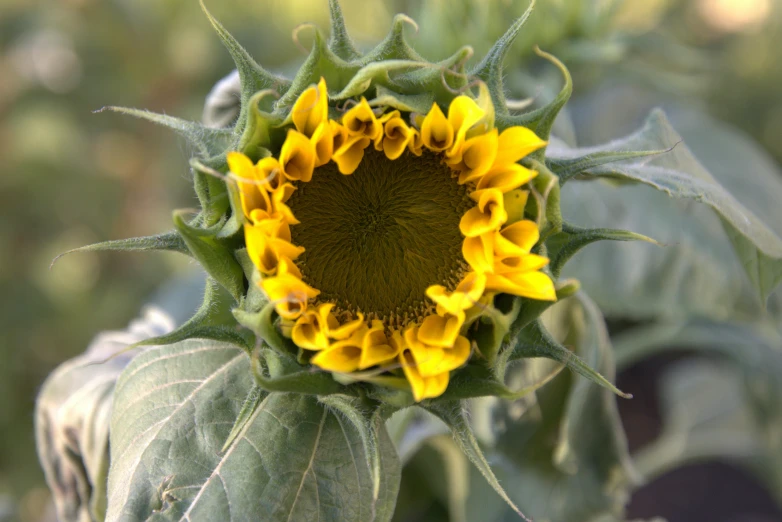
71 177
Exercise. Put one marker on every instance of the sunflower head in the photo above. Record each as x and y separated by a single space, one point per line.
379 220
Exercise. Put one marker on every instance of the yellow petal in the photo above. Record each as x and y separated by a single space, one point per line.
396 137
349 155
477 157
535 285
251 189
478 251
441 332
297 157
463 113
289 293
466 294
515 202
488 216
311 109
361 121
524 263
323 140
416 143
265 249
436 131
516 239
309 331
516 143
506 177
341 358
377 348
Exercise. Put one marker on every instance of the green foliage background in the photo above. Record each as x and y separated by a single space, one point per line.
69 177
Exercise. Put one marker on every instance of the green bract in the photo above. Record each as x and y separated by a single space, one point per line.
227 421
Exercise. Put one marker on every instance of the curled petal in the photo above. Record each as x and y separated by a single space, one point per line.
487 216
464 297
342 357
361 121
323 140
266 246
289 293
477 157
506 177
311 109
349 155
422 387
463 113
436 130
396 137
478 251
297 157
535 285
311 331
516 239
516 143
525 263
440 331
377 347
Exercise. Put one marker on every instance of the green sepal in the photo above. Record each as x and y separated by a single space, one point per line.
545 203
208 322
166 242
253 77
565 244
217 259
394 46
535 341
492 325
444 80
476 380
279 372
262 129
454 414
210 188
420 103
542 120
263 324
490 68
321 62
340 42
207 140
531 309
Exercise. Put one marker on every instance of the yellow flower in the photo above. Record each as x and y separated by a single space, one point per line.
379 241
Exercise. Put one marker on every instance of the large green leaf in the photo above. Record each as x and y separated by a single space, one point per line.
560 453
289 457
680 175
744 393
562 457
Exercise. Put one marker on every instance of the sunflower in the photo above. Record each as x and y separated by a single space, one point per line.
379 234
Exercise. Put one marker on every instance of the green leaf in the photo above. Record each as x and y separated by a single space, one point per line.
216 258
293 458
679 175
454 416
72 415
565 244
561 453
169 241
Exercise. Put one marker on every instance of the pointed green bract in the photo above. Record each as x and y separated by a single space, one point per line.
168 242
490 68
